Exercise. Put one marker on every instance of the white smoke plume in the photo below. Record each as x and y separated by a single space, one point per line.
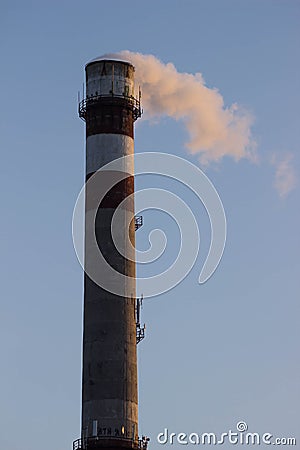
285 176
214 130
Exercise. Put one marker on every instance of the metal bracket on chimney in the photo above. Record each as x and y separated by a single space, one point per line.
138 221
140 330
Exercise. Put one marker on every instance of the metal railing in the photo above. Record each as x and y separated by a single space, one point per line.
131 101
77 444
91 442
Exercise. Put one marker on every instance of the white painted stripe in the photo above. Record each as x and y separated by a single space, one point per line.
104 148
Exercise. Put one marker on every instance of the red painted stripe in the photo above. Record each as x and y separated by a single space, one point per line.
111 186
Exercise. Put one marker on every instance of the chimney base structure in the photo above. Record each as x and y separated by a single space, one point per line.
109 380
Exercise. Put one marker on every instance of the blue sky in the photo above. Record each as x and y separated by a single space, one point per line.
214 354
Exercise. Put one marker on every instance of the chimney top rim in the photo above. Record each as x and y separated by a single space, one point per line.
110 57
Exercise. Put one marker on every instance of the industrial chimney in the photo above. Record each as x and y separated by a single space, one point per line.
111 329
